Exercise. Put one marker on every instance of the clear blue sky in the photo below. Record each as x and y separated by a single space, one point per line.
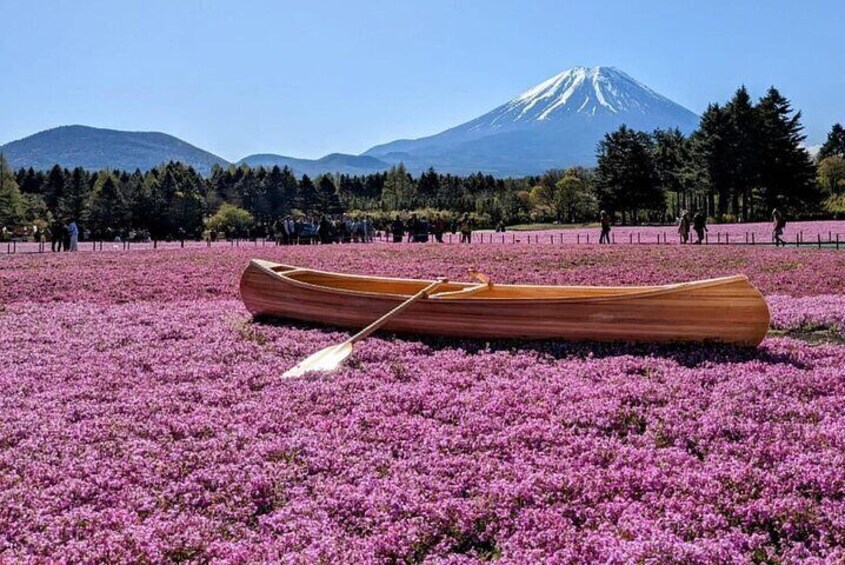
309 78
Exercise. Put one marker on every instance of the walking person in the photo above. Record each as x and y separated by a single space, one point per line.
465 228
56 230
73 234
684 227
778 223
605 227
699 224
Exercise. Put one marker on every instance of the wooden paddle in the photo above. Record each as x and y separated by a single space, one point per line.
331 358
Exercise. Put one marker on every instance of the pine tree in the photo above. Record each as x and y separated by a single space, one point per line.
671 159
710 147
744 152
55 187
835 143
328 201
626 176
787 173
74 201
307 195
108 211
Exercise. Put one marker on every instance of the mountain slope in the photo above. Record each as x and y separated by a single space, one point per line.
557 123
332 163
95 148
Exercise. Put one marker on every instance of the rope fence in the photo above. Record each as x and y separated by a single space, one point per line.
829 240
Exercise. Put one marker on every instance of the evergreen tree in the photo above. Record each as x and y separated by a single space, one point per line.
307 195
11 201
626 176
671 158
710 148
787 173
429 184
398 190
744 151
328 201
55 187
108 211
74 201
835 143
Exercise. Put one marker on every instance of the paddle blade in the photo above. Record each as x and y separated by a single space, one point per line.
328 359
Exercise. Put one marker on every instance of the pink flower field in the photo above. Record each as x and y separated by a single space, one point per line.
143 418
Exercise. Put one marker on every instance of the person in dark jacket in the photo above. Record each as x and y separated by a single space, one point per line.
465 227
398 229
324 230
57 228
439 228
699 224
605 227
778 223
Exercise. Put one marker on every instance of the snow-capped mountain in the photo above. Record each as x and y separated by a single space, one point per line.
554 124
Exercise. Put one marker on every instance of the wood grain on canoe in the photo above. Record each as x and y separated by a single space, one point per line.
727 310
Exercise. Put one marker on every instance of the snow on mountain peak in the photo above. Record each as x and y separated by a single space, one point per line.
580 90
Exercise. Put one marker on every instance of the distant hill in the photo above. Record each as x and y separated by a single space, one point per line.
95 148
557 123
332 163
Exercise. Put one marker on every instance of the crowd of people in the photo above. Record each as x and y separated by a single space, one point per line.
63 235
346 229
323 229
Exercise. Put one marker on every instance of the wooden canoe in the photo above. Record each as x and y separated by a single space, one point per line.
727 310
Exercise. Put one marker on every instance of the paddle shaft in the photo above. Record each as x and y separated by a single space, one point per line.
398 310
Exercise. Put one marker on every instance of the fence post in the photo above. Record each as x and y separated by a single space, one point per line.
752 238
588 239
631 238
727 239
155 244
820 240
837 241
578 235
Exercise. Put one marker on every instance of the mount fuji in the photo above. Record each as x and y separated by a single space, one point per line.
557 123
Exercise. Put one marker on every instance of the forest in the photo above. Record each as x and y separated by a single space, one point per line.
745 159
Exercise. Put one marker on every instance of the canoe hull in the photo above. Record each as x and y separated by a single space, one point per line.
730 311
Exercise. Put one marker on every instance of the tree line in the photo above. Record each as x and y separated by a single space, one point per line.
745 159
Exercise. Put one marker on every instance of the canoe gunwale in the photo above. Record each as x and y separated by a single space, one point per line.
647 292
